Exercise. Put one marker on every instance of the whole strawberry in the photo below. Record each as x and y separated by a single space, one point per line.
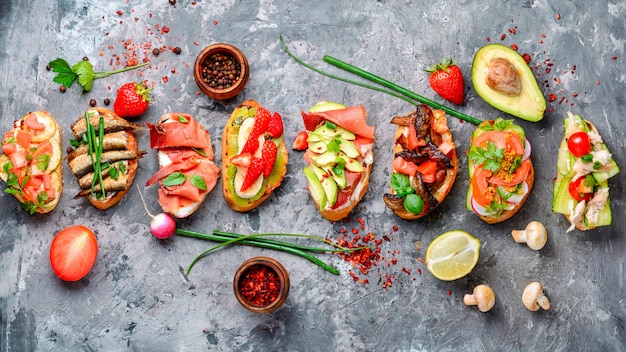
446 79
132 99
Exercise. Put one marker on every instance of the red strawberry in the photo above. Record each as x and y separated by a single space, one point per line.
275 126
262 121
254 171
300 142
252 144
243 159
268 154
132 99
447 80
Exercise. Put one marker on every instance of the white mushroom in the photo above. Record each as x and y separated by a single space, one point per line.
483 298
535 235
534 298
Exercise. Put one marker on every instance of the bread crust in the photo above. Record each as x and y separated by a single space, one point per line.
282 154
344 211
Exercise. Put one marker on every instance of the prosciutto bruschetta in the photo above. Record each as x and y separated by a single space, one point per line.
500 169
105 156
254 156
30 163
425 163
339 157
187 173
584 164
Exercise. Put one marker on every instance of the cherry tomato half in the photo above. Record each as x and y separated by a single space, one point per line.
575 190
73 252
579 144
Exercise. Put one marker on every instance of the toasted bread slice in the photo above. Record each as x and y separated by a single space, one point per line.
32 152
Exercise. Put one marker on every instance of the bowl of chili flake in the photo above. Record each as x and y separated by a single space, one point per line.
221 71
261 284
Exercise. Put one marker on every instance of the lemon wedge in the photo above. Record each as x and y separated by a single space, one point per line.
452 255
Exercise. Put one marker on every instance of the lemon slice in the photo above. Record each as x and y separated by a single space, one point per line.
452 255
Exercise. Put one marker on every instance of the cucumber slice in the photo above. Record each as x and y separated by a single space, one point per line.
565 161
612 171
562 201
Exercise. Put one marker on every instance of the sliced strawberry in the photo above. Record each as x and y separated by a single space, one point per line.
268 154
300 142
262 121
254 171
252 144
243 159
275 127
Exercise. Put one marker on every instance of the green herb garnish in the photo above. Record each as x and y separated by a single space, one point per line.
174 179
182 119
198 182
81 71
490 157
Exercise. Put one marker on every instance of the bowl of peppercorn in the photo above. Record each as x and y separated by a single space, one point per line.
261 284
221 71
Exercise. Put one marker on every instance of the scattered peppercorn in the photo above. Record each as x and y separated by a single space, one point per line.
177 50
156 51
92 102
172 2
221 71
85 58
48 68
62 89
107 101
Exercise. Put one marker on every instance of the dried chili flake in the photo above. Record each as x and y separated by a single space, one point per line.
614 58
259 285
395 228
512 30
119 12
503 36
407 271
488 39
552 97
514 47
558 16
215 23
526 58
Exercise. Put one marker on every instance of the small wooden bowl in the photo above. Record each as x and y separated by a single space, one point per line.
217 92
269 265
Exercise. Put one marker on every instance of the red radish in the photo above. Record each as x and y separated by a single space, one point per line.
163 225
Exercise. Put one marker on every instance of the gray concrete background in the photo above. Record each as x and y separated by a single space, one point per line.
135 298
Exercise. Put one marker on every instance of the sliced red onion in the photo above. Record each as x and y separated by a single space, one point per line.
527 149
479 209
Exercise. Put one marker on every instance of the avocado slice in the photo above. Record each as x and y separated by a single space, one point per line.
503 79
315 186
328 184
322 106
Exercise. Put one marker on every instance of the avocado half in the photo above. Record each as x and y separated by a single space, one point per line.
503 79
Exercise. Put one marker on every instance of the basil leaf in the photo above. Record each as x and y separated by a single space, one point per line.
174 179
200 151
399 182
414 203
198 182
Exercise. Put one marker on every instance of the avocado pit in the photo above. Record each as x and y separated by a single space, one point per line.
503 77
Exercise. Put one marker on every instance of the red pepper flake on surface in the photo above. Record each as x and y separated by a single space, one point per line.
119 12
512 30
503 36
514 47
614 58
215 23
552 97
488 39
526 58
558 16
259 285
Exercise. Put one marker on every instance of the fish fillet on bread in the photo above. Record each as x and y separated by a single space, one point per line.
116 156
186 172
30 162
254 156
500 169
425 163
339 157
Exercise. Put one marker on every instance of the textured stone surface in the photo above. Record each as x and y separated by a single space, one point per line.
136 298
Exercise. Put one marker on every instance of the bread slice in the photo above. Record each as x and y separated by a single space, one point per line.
122 156
436 131
43 132
230 148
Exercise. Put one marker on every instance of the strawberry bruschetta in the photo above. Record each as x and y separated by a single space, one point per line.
105 156
339 157
30 162
187 173
584 164
500 170
254 156
425 163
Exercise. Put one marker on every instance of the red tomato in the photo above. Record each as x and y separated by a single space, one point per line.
73 252
579 144
481 191
503 139
413 141
404 167
575 190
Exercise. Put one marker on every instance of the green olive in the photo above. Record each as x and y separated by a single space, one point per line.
413 203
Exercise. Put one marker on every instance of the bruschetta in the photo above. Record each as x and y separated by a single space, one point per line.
186 170
339 157
105 156
500 170
254 156
30 163
425 163
584 164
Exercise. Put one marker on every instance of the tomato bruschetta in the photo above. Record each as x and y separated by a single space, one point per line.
104 158
425 163
500 170
584 164
30 163
186 170
254 156
339 157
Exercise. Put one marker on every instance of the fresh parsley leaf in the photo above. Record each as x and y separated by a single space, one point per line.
6 167
114 173
84 71
198 182
500 123
339 168
65 76
42 162
333 145
174 179
25 181
122 167
75 143
490 157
